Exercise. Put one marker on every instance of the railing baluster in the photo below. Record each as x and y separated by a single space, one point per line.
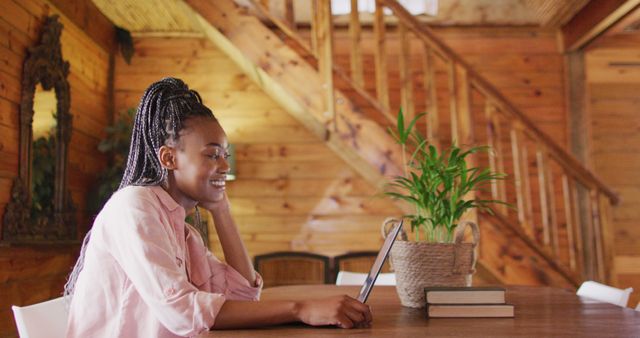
597 234
356 53
324 38
526 179
552 207
519 173
453 111
433 123
496 156
541 158
607 239
579 239
568 215
314 27
465 134
382 88
406 80
289 14
489 111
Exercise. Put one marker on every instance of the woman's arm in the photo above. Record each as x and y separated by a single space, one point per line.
342 311
235 253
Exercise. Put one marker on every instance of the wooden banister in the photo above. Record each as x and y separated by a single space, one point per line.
560 176
576 168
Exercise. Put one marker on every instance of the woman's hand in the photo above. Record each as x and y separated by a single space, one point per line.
223 205
342 311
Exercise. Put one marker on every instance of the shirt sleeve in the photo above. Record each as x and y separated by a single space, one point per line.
220 277
227 280
140 238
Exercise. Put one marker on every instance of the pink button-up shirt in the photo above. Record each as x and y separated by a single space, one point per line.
148 274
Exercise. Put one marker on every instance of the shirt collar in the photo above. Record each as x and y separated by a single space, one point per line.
167 201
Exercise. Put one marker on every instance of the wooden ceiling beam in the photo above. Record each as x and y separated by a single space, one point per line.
592 20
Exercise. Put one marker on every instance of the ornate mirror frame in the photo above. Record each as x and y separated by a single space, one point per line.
44 65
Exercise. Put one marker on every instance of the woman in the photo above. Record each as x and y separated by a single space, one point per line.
144 272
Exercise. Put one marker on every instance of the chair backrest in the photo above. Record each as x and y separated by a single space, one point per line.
43 320
358 278
358 261
292 267
604 293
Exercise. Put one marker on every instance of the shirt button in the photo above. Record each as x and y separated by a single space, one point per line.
179 261
170 291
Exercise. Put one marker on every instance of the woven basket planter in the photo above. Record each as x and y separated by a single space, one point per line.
418 265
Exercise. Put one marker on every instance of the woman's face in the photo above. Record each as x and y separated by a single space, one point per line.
200 163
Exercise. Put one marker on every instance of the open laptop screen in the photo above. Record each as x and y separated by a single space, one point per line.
377 265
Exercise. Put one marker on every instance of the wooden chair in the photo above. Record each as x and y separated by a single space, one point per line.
358 261
291 268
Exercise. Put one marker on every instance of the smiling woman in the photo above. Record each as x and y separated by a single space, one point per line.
144 272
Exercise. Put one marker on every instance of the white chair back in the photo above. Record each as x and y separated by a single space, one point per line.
358 278
43 320
604 293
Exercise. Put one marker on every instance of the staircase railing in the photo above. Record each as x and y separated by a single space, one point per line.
563 210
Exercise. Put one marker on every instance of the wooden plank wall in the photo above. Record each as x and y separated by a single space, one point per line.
292 192
613 81
33 274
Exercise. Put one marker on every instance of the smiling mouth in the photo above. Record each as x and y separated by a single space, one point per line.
218 183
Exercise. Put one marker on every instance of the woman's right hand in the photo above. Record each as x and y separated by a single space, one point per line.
342 311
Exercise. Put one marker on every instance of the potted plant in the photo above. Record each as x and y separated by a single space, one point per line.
435 185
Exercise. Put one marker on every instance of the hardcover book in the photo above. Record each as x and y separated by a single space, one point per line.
470 310
465 295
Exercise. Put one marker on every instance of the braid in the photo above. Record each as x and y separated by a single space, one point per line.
163 110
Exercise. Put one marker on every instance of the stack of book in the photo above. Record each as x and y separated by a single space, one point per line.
467 302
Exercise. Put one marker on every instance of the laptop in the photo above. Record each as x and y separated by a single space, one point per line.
377 264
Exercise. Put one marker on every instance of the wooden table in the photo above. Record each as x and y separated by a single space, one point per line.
540 312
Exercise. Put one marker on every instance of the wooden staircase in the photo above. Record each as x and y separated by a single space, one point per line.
560 232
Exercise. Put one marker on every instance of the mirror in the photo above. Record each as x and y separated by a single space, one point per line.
43 145
40 209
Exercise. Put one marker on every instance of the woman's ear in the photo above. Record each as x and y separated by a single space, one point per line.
167 157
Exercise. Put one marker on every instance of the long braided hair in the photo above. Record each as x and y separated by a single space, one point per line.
161 115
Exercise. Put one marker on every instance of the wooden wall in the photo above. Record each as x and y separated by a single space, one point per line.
32 274
613 87
291 192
